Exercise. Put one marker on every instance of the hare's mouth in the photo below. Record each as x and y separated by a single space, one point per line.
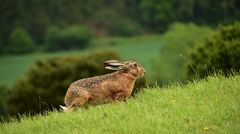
141 75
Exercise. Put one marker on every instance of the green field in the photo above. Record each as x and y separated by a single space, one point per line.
208 106
142 49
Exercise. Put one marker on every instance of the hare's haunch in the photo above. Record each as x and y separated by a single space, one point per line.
111 87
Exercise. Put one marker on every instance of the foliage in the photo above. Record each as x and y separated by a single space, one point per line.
116 26
169 66
45 84
159 14
1 46
72 37
105 16
19 42
2 100
220 52
208 106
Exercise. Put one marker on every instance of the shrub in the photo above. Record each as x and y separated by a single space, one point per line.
170 65
1 46
19 42
116 24
73 37
220 52
124 27
2 100
52 38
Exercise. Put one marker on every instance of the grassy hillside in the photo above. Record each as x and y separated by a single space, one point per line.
209 106
142 48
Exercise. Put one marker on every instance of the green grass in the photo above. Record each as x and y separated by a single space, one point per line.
141 48
208 106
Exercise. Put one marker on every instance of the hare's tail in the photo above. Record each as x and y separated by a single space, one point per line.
63 108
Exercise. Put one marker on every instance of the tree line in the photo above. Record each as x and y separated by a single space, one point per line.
110 18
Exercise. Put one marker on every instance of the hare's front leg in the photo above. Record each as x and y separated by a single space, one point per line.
119 96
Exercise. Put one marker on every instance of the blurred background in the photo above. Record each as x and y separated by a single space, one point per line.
46 44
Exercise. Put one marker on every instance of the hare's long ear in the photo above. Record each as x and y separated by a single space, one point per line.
110 61
113 65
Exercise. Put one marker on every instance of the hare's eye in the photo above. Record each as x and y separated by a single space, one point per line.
135 64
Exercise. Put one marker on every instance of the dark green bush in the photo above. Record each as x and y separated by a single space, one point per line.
2 100
219 53
126 28
116 24
123 27
1 47
19 42
73 37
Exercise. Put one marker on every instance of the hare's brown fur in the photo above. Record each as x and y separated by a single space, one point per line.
101 89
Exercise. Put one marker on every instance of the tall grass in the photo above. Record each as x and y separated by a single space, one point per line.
208 106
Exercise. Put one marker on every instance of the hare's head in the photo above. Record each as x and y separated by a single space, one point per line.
130 67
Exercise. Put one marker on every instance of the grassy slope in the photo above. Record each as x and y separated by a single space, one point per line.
142 48
211 106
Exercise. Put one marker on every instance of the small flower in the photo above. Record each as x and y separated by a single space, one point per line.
205 129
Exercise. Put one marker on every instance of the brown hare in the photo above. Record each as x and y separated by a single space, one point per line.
116 86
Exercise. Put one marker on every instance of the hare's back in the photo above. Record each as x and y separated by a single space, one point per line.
89 83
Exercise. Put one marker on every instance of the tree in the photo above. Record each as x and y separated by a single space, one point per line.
20 42
157 14
73 37
220 52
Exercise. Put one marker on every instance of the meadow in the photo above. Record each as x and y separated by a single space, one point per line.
207 106
140 48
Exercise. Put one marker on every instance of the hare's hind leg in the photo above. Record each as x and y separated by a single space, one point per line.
81 100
